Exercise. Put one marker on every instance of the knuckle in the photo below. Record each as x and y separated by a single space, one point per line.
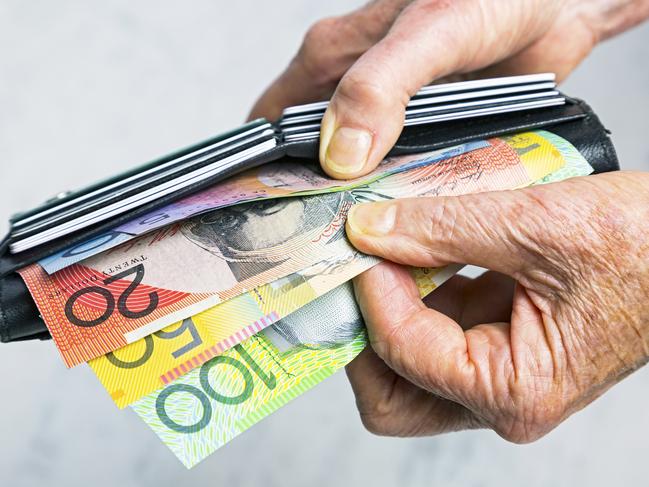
320 52
394 346
378 416
522 433
594 233
389 345
359 88
439 224
378 424
532 422
516 437
320 34
371 424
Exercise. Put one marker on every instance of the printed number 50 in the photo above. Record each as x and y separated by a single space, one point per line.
186 325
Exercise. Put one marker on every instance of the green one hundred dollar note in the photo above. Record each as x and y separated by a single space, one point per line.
209 406
206 408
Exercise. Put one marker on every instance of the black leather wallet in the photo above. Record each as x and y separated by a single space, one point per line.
438 116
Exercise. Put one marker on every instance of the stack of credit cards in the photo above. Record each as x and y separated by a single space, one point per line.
71 212
178 173
439 103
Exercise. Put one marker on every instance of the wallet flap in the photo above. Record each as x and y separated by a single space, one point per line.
18 308
4 244
591 138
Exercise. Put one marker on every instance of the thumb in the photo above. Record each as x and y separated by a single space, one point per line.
367 111
484 229
427 41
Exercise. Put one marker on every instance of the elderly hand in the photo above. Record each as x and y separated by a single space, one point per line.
515 356
377 57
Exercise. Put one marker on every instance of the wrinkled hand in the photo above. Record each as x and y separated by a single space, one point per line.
520 355
377 57
517 355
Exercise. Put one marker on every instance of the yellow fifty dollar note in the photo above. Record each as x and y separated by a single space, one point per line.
142 367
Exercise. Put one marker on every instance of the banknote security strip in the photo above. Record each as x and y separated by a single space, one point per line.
73 212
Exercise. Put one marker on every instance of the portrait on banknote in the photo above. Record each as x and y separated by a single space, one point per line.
258 236
332 322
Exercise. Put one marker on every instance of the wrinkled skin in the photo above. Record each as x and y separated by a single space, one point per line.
520 355
374 59
563 313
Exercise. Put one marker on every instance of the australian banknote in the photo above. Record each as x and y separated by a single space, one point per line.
276 180
297 350
146 365
576 165
136 289
158 359
206 408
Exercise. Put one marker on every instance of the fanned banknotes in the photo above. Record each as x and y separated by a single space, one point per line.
206 408
279 180
207 298
208 325
144 366
129 292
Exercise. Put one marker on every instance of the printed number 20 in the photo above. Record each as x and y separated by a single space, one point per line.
122 307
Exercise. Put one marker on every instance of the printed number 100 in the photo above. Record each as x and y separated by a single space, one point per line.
245 368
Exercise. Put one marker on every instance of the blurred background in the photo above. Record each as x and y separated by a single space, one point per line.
90 88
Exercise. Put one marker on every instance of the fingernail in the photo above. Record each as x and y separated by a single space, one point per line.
374 219
348 150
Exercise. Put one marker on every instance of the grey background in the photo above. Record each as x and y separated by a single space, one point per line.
90 88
